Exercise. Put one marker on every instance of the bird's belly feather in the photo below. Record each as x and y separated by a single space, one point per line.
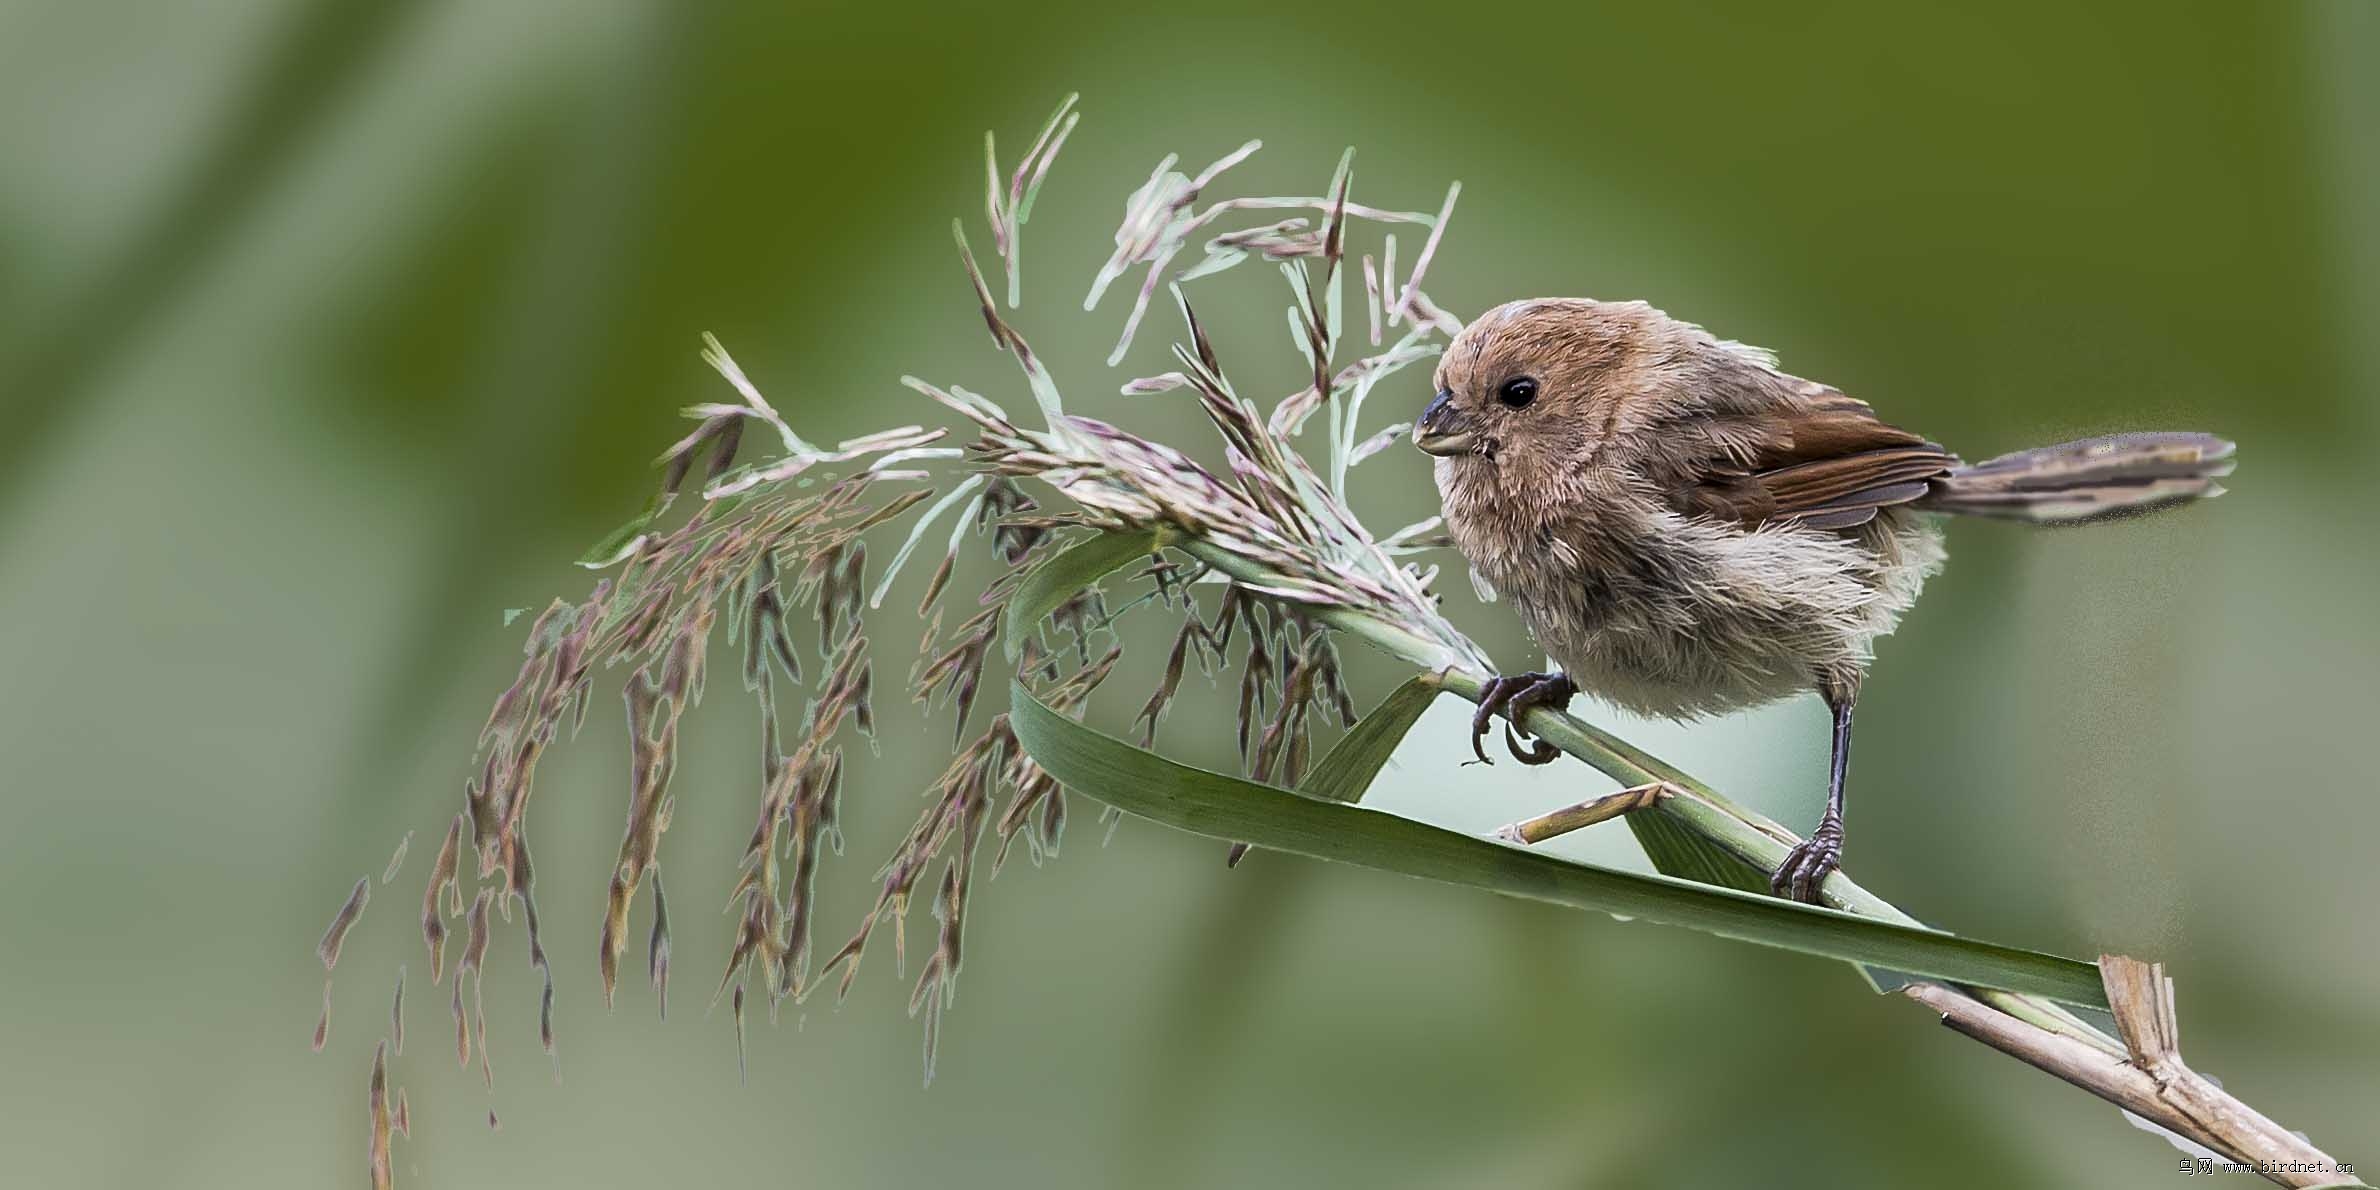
1719 618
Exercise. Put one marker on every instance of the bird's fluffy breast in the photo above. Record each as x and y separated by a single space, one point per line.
1682 616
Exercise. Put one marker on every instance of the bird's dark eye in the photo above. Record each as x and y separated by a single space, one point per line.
1517 392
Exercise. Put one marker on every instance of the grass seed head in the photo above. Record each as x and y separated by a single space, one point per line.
1268 541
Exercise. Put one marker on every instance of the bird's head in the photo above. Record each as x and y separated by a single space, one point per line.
1532 390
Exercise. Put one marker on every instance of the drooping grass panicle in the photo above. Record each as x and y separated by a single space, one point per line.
775 555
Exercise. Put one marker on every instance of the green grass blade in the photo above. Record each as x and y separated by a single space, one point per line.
1061 578
1676 850
1192 799
1347 771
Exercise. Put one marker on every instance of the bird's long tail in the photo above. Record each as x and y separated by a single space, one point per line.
2093 479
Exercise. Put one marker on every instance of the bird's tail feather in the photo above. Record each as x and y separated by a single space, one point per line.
2093 479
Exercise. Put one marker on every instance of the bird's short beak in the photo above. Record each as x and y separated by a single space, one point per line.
1443 430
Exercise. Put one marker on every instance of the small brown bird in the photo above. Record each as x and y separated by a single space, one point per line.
1687 530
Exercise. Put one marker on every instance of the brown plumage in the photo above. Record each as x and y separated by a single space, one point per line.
1688 530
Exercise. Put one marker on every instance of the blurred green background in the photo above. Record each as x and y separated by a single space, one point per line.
328 332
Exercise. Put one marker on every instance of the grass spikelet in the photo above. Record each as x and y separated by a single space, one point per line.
1005 504
475 947
462 1025
479 1013
442 879
336 936
377 1091
1421 264
397 860
743 1073
657 948
652 720
1037 810
522 881
1008 217
396 1014
545 1023
322 1024
1154 709
475 951
934 585
937 984
957 674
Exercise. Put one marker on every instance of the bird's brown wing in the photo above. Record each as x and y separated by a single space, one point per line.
1818 459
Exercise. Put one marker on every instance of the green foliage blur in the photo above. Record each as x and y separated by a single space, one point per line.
330 331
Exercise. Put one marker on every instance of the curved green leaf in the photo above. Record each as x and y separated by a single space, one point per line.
1192 799
1054 582
1676 850
1347 770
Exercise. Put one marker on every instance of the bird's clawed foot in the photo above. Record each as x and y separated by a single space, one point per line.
1513 696
1810 863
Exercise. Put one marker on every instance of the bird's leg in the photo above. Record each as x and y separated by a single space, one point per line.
1515 695
1810 863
